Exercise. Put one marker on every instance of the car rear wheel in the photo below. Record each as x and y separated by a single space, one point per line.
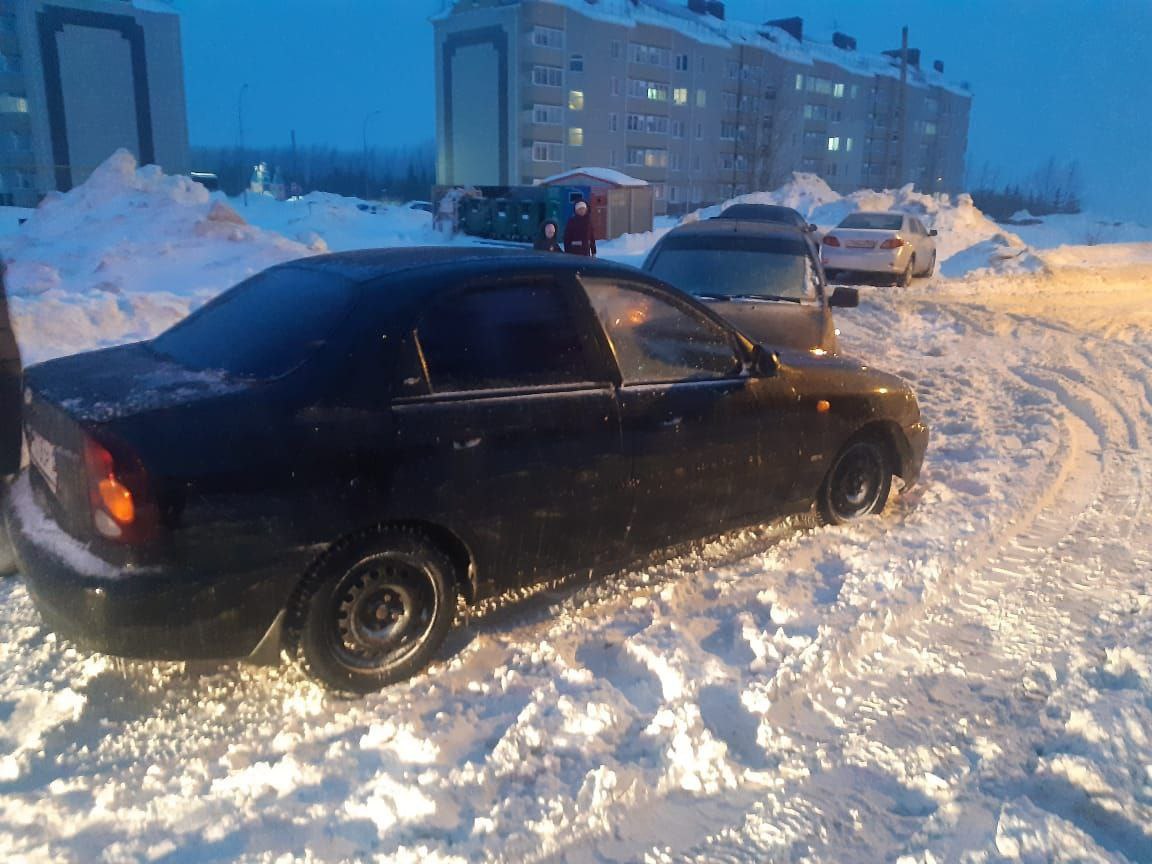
931 267
374 613
858 483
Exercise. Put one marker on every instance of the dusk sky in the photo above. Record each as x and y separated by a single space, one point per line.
1058 78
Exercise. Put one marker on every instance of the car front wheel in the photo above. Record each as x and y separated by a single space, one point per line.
857 485
374 613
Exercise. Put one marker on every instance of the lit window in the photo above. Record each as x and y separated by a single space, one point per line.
701 98
680 96
838 91
834 143
799 81
575 137
10 104
575 100
848 144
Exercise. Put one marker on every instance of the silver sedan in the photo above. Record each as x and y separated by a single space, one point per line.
890 244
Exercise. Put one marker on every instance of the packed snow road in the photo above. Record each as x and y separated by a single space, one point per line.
966 678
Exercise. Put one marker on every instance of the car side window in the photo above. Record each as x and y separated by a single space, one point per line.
502 335
657 341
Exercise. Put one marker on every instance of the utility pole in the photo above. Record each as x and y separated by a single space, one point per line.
903 107
240 136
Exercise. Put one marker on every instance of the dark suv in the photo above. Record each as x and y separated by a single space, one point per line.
327 455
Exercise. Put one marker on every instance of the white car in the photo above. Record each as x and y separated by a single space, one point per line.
873 244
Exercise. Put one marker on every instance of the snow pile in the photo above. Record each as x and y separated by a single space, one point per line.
334 223
124 256
804 192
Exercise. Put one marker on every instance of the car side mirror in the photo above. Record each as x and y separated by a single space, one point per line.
932 233
765 362
845 297
811 229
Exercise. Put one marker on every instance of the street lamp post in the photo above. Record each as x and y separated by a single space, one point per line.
364 130
240 135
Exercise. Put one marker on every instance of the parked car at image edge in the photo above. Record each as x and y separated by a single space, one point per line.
764 277
407 426
888 244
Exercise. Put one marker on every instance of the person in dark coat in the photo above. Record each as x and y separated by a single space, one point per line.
547 240
10 389
579 238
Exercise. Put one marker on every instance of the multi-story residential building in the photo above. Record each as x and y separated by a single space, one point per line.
81 78
671 92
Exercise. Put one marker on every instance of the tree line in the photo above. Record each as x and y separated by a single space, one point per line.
1053 188
398 173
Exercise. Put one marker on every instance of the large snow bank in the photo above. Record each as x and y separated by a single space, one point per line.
125 255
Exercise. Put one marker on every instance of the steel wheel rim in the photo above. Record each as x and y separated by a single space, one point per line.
857 483
382 611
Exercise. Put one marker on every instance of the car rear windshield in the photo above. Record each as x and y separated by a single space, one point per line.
264 327
731 266
875 221
763 213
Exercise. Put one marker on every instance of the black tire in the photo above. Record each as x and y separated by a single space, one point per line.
905 278
374 611
931 267
858 483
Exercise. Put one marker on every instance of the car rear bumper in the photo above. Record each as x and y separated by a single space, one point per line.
865 260
164 612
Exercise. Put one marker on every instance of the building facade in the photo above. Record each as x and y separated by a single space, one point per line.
81 78
671 92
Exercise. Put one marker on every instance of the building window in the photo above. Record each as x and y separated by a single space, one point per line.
819 85
799 81
615 49
680 96
699 131
615 86
728 101
848 145
809 163
10 104
677 128
547 151
674 161
729 131
815 112
658 191
812 138
681 62
10 63
652 55
929 128
673 194
648 157
549 115
575 137
651 123
853 92
576 63
838 91
548 76
834 144
701 98
547 37
732 69
696 162
654 91
613 125
611 158
830 169
575 100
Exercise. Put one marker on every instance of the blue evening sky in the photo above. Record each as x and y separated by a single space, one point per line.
1063 78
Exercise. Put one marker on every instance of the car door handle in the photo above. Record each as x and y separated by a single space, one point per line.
671 422
466 443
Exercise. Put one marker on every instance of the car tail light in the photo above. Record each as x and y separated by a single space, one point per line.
893 243
831 240
118 494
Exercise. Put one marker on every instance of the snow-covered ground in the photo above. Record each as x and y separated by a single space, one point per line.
967 678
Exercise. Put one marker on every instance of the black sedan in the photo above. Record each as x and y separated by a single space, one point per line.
327 456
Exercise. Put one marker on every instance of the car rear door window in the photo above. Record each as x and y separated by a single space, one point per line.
656 340
503 335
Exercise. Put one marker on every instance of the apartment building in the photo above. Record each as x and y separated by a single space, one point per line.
81 78
671 92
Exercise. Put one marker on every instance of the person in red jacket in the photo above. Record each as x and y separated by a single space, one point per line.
579 238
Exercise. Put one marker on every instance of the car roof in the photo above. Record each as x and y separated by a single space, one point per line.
748 227
369 265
